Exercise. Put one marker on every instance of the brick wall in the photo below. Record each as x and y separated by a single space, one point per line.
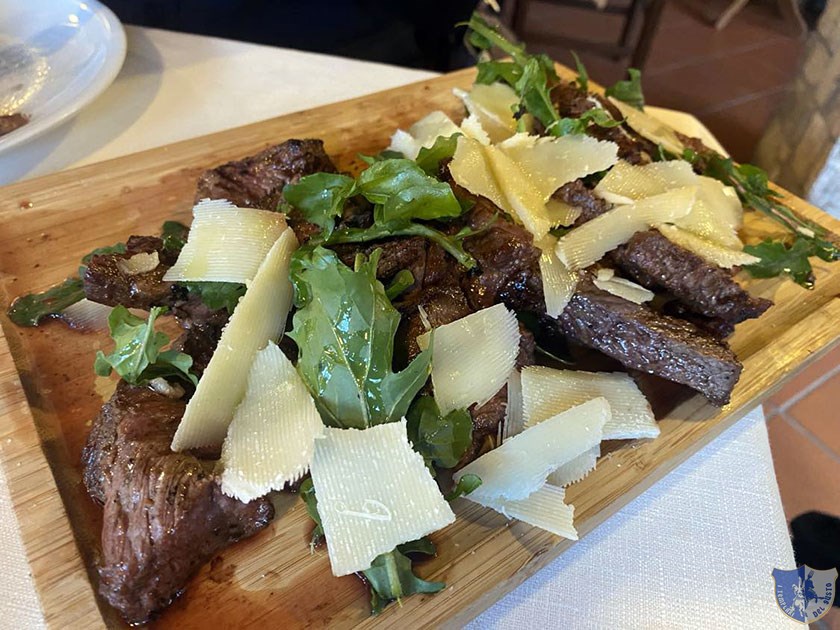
800 138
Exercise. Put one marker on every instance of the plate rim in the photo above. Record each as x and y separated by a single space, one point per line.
102 81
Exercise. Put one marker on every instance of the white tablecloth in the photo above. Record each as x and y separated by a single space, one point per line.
694 551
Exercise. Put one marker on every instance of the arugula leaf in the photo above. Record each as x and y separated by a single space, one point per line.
402 190
117 248
391 578
753 188
320 197
217 295
493 71
466 484
399 283
441 440
174 235
596 116
630 90
453 245
385 154
778 259
583 76
345 336
137 355
29 310
307 495
429 158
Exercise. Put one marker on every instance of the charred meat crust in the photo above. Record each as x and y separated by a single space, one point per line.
164 512
653 261
105 282
656 344
657 263
257 181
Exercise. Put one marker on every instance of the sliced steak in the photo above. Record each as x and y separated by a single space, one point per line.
257 181
106 281
165 514
643 340
508 262
657 263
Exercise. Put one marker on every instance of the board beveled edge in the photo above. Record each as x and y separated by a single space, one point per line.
56 566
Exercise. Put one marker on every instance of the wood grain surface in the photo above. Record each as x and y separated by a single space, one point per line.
49 395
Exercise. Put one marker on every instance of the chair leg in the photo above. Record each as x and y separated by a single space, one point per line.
630 23
730 12
520 11
653 13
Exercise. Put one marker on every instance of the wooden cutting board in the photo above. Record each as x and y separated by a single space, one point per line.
48 397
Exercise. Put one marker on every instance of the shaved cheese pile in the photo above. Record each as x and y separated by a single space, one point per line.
650 128
473 357
537 452
606 280
716 215
492 106
520 174
374 493
259 318
551 162
423 134
576 469
558 282
226 243
547 392
271 439
514 474
587 244
721 256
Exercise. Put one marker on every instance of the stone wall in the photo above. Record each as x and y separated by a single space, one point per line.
800 138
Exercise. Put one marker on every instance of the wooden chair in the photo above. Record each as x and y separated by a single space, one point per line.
635 49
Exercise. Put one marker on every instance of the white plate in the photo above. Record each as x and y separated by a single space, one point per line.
56 56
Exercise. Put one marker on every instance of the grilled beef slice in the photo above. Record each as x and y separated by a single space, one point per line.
165 514
644 340
105 282
658 264
677 350
257 181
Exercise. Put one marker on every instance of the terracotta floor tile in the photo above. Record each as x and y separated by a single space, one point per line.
807 474
798 383
819 412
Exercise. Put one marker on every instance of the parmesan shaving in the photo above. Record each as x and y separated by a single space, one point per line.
558 282
714 253
374 493
473 357
492 105
514 419
561 213
139 263
469 169
271 439
606 280
547 392
576 469
259 318
519 467
544 508
649 127
524 200
587 244
423 134
226 243
551 162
